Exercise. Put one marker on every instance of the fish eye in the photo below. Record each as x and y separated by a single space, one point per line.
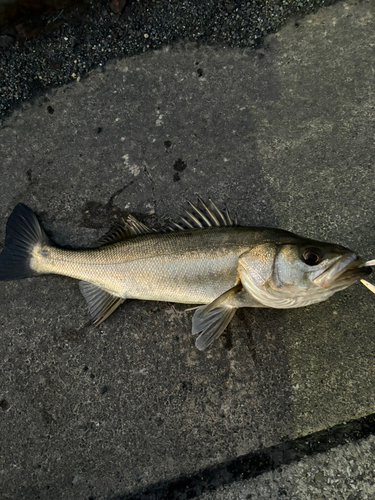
311 257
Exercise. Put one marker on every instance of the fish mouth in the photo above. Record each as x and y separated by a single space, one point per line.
343 272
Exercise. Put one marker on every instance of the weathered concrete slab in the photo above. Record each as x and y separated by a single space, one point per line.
343 472
285 136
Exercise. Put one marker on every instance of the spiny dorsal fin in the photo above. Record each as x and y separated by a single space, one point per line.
203 217
127 229
101 303
197 218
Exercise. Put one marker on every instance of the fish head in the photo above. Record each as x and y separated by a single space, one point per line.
318 265
299 272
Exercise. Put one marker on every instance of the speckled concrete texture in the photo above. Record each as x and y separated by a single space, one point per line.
344 473
284 135
53 48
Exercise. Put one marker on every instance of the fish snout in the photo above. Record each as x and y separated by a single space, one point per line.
350 267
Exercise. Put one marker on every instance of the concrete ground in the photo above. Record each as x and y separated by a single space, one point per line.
284 135
343 473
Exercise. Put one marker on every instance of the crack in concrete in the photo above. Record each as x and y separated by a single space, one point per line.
116 193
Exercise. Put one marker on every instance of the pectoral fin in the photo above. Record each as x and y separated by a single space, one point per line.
101 303
209 321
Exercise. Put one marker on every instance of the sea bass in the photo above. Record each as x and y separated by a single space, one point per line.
207 259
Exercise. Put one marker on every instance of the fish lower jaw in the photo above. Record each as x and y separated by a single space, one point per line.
327 278
290 299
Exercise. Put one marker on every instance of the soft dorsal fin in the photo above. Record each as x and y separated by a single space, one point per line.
201 217
136 227
128 228
116 233
101 303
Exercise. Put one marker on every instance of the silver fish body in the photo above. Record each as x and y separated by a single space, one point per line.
223 267
191 267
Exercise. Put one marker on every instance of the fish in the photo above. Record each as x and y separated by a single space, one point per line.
206 259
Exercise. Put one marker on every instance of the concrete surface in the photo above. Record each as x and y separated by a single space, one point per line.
55 48
285 136
343 473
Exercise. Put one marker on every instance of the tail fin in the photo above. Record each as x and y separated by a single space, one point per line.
23 232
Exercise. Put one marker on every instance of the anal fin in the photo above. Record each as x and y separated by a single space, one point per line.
209 321
100 302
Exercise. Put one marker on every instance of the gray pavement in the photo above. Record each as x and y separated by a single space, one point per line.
38 51
285 136
343 473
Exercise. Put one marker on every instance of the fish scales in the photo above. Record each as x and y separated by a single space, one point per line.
224 268
189 267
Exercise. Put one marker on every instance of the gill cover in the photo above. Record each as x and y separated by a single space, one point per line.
256 270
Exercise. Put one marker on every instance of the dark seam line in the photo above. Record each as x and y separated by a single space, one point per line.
255 463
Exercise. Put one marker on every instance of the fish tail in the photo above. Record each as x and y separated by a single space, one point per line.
23 234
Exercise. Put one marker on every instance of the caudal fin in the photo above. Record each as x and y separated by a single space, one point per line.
23 232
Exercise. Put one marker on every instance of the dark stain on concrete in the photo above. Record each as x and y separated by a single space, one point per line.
179 165
4 405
